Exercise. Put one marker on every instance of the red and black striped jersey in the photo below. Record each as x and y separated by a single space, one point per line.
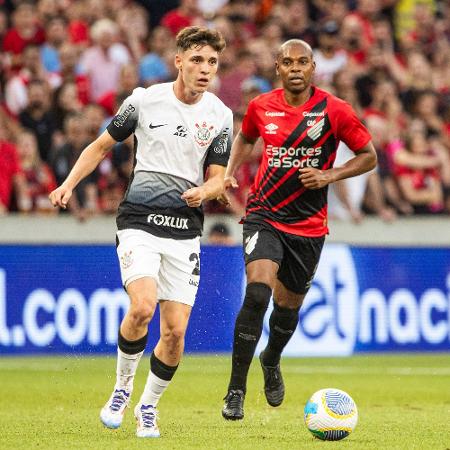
295 137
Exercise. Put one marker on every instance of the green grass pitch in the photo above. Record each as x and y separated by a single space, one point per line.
53 403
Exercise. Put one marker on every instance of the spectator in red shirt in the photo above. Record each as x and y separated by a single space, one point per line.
69 72
354 41
24 31
11 176
16 88
416 167
183 16
128 80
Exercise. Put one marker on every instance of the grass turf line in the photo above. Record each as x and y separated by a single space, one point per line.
53 403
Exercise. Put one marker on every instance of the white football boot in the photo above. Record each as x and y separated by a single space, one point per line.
112 413
146 416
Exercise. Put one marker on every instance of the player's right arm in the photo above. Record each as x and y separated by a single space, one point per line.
243 144
89 159
240 152
121 126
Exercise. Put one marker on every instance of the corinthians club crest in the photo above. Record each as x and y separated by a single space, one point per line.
204 134
126 259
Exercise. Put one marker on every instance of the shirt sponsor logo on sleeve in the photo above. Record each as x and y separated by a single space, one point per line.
122 117
221 146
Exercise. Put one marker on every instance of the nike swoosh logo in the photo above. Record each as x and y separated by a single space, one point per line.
156 126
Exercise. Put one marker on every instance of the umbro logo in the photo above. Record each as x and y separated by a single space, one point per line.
181 131
271 128
151 126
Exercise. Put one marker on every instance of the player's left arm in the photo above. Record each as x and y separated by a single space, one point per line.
350 130
209 190
364 161
216 162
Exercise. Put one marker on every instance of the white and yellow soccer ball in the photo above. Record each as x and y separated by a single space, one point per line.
330 414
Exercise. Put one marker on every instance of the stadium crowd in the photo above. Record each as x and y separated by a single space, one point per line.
67 65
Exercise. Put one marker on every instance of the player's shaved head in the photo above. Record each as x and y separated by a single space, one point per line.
294 43
295 65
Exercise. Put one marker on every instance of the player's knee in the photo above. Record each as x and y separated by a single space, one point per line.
257 297
173 336
290 302
142 312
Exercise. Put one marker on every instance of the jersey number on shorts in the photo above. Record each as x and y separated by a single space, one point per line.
195 257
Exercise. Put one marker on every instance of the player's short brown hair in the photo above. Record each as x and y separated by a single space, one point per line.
191 37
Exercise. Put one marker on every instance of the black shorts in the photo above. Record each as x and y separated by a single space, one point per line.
296 256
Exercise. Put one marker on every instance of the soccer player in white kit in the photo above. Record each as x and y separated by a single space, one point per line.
181 132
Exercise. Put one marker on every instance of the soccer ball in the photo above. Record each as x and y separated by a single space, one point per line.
330 414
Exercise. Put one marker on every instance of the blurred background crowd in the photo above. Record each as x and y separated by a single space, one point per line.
66 66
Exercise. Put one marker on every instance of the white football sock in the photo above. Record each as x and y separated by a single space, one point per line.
126 369
153 390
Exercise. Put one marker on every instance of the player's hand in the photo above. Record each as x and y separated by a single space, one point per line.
194 196
60 196
314 178
229 183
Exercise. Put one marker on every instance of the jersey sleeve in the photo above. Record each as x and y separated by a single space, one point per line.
220 148
347 126
125 121
249 127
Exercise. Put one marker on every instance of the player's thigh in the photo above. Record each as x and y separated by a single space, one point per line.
300 261
263 253
285 298
179 274
174 318
143 291
139 256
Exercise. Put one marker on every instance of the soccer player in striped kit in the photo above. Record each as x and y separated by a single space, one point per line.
286 213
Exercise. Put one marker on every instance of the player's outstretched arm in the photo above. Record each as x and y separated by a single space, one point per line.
89 159
364 161
209 190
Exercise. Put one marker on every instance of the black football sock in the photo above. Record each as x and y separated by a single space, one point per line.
247 331
283 322
131 347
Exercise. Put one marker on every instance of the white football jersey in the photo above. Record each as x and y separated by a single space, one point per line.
174 144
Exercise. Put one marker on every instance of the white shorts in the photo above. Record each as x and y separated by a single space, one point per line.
174 264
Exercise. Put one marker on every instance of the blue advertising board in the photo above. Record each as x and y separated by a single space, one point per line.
68 299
